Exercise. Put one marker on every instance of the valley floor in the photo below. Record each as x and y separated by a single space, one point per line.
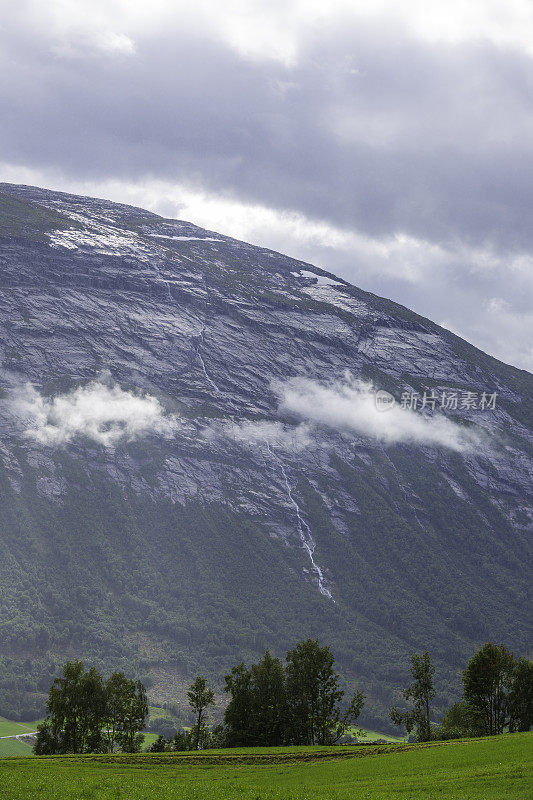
481 769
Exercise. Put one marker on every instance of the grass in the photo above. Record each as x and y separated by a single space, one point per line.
15 747
156 712
149 738
481 769
9 728
366 735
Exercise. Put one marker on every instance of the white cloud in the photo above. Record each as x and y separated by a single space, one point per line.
349 405
277 31
97 411
106 42
290 232
110 42
497 305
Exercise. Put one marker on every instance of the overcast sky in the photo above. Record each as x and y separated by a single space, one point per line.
389 142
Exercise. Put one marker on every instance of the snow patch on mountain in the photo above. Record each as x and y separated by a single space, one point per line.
185 238
321 280
327 293
106 241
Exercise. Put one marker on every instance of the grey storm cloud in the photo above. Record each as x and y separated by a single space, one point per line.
372 130
364 130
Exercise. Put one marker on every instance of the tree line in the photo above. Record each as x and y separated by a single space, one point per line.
497 696
271 703
300 702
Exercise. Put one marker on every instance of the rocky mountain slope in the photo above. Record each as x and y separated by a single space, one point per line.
193 466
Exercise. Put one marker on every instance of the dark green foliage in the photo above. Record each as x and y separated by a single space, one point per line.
159 746
269 701
200 698
499 688
299 704
238 714
497 695
460 721
217 738
166 726
422 693
47 740
313 694
119 694
486 684
87 715
520 698
181 741
256 713
75 712
133 711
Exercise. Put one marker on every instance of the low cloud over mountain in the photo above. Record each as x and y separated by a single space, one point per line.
350 405
97 411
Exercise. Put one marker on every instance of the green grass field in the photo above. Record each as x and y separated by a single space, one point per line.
366 735
481 769
13 747
9 728
149 738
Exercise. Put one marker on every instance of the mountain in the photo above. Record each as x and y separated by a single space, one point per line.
193 466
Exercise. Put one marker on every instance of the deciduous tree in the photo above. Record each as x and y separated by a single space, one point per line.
268 708
521 696
75 712
238 713
200 697
86 715
313 696
460 721
421 692
133 717
486 683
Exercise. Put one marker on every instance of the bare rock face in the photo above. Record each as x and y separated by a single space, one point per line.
193 466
